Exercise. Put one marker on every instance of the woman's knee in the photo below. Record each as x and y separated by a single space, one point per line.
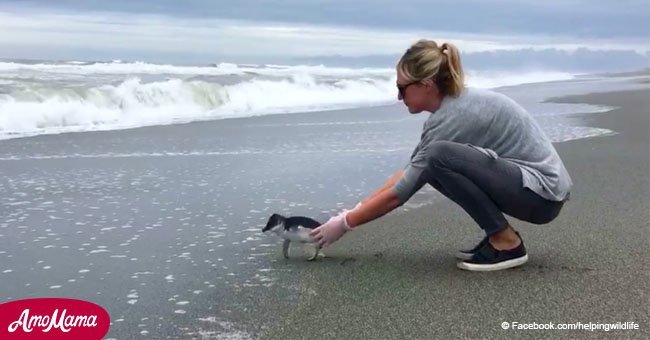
544 216
439 152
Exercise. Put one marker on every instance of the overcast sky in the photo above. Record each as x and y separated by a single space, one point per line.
253 31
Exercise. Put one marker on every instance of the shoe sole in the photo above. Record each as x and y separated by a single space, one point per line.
492 267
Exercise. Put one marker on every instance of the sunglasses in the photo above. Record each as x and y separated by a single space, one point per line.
402 88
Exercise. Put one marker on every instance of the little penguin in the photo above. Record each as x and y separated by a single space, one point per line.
293 229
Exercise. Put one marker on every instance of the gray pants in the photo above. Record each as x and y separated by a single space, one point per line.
485 187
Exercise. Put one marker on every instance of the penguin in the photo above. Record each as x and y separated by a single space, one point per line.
293 229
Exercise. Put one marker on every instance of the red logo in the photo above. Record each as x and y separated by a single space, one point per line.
53 318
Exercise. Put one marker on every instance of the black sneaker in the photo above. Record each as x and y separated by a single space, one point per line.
466 254
488 258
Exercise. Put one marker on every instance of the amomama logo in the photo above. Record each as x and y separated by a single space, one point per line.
53 318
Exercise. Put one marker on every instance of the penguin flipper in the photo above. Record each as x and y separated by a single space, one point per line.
285 248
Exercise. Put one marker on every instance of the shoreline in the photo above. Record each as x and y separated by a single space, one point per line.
309 113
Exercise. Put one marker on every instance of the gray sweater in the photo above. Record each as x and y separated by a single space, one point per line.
499 127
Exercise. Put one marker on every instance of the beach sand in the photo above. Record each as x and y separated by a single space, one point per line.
161 226
396 277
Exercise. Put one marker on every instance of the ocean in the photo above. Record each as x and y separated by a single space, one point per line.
54 97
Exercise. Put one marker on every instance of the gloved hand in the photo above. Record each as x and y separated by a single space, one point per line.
330 231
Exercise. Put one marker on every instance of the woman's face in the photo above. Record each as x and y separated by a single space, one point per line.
417 96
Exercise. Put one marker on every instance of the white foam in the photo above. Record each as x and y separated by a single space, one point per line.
134 103
98 251
128 102
492 79
221 69
229 330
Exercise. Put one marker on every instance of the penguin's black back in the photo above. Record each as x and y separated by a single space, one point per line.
306 222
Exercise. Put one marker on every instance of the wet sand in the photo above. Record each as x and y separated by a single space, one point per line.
160 226
395 278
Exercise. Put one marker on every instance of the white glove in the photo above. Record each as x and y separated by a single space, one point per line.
332 230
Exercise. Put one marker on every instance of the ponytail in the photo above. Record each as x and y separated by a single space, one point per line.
456 82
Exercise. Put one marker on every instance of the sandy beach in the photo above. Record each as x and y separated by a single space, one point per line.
395 278
161 226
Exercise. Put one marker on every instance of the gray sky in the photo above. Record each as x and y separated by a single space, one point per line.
198 31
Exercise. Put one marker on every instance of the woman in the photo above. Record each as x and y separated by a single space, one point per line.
478 148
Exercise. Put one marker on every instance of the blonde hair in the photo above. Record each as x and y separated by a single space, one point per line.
424 60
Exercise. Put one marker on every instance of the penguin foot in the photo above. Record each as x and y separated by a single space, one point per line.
317 254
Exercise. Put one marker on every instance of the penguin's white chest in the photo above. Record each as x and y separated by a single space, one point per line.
298 234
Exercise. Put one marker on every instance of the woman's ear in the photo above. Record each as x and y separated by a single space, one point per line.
427 82
431 85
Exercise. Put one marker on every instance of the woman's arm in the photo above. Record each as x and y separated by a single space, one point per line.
381 202
378 205
389 184
384 200
395 192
